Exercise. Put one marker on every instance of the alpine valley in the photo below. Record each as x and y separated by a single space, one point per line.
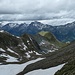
37 49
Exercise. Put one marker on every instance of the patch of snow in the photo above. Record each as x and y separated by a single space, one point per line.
17 37
13 35
30 51
25 47
36 53
55 49
49 71
13 25
11 59
30 38
2 50
11 51
28 56
51 50
13 69
1 31
19 45
3 54
0 63
27 41
68 42
42 43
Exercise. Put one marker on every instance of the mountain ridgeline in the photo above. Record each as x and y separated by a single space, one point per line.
63 33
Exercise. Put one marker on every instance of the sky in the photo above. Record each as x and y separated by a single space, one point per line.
51 11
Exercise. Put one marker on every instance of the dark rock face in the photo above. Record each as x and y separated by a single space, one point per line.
22 48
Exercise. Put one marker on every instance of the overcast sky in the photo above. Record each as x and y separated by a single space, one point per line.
37 9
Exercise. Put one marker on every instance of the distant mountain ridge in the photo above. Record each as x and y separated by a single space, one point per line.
62 32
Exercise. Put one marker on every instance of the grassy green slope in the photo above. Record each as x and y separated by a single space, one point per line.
51 38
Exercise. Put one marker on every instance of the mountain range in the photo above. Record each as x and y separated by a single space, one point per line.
63 33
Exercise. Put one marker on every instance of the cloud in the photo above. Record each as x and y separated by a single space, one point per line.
36 9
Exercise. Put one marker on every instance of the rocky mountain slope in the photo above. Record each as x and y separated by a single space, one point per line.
24 48
64 56
15 49
47 41
68 69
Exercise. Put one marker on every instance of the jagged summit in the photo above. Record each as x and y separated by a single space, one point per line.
62 32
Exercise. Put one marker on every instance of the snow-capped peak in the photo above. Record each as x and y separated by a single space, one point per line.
1 31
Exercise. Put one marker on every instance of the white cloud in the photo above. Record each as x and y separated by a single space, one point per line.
36 9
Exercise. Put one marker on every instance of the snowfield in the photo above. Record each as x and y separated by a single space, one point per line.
49 71
13 69
11 59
